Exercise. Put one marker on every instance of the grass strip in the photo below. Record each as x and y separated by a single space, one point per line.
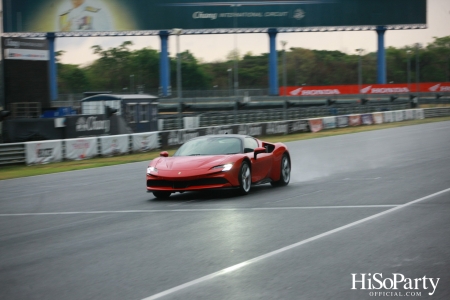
18 171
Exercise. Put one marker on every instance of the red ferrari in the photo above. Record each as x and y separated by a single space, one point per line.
219 161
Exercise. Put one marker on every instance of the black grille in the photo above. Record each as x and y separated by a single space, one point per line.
185 184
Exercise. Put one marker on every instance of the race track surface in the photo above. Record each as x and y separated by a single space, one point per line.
376 202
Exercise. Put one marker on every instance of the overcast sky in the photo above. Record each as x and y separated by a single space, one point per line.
216 47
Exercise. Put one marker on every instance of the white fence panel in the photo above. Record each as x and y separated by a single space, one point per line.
398 116
114 144
83 148
329 122
143 142
43 152
388 116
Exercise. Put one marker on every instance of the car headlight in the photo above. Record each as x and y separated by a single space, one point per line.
152 169
224 168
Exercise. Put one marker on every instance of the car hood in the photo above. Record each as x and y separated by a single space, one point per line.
191 162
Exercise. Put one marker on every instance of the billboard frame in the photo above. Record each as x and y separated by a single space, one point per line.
212 31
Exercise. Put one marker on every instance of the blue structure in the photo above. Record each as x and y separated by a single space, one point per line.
165 87
164 67
381 56
273 63
52 67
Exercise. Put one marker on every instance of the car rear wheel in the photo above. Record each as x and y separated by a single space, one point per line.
285 172
245 178
161 194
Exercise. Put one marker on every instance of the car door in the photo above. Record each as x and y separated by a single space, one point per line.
262 164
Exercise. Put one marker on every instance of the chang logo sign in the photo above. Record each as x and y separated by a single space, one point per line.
91 124
202 15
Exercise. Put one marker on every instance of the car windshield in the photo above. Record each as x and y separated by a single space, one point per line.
210 146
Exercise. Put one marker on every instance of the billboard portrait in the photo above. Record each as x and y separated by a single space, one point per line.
71 15
137 15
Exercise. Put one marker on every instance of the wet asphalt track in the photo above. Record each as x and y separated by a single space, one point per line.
96 234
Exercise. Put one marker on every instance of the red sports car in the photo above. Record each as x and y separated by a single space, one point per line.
219 161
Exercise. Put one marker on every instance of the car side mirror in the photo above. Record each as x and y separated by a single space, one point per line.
258 151
164 154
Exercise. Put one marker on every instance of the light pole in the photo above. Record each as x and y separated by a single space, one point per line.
284 43
408 72
178 31
236 82
418 46
131 83
359 50
230 80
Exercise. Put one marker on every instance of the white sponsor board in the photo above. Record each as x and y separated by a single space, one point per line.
143 142
191 122
398 116
419 114
377 118
277 128
408 114
388 117
26 54
82 148
114 145
43 152
329 122
254 129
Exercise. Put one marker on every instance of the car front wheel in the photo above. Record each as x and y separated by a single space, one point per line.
285 172
245 178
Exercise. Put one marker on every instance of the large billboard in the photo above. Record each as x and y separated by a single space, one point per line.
138 15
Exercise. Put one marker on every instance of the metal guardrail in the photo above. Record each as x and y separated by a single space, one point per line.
269 115
12 153
437 112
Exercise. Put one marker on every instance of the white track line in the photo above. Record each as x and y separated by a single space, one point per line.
191 210
295 197
183 202
281 250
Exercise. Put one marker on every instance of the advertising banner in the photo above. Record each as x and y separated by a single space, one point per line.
77 149
125 15
315 125
419 114
329 122
408 114
87 125
366 89
366 119
342 121
143 142
43 152
114 145
178 137
276 128
388 117
398 116
24 54
354 120
377 118
253 129
298 126
191 122
25 49
224 129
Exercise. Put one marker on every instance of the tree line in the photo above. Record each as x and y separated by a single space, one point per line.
120 69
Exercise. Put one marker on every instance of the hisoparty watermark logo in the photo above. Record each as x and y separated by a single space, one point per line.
396 285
